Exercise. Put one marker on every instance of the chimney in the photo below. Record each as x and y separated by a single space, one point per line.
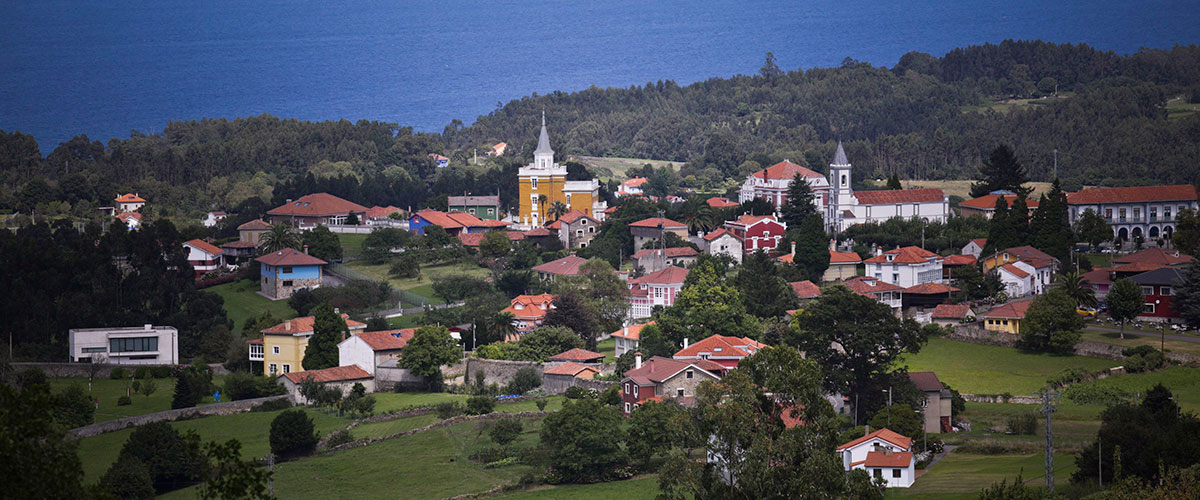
868 430
685 343
287 325
887 451
793 248
289 200
149 326
832 244
637 360
625 331
305 249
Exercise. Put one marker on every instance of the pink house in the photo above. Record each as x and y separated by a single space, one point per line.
655 289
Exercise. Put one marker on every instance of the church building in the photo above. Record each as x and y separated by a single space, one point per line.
543 182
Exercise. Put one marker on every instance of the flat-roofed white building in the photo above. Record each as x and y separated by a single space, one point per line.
132 345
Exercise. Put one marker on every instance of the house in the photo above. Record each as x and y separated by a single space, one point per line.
1044 266
627 338
557 379
720 349
1018 278
238 251
382 216
846 207
1147 211
975 247
951 264
1153 258
723 242
578 355
1100 280
543 183
951 314
805 290
631 187
473 240
483 207
498 149
252 231
370 350
652 260
132 220
875 288
772 184
285 271
204 256
129 202
212 218
652 229
342 378
1158 288
906 267
540 237
937 407
655 289
884 454
659 378
453 222
281 350
319 209
566 266
842 266
927 295
986 205
758 232
439 160
133 345
576 229
719 202
1006 317
529 312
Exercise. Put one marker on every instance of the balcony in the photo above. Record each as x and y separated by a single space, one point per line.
256 354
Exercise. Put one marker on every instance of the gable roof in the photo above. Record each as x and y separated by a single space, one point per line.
721 202
668 252
930 289
950 311
537 232
129 198
472 201
574 215
1009 310
904 255
721 346
239 244
658 369
290 257
125 216
1184 192
317 204
255 225
885 459
1014 270
577 354
1157 256
568 265
304 324
378 212
750 220
667 276
867 285
959 260
631 332
569 368
980 242
475 239
531 305
204 246
655 222
335 374
806 289
635 182
785 170
987 202
1160 276
894 196
836 257
926 381
1032 256
713 235
884 434
1099 276
387 340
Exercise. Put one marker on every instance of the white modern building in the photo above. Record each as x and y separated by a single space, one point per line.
906 267
884 454
133 345
1147 211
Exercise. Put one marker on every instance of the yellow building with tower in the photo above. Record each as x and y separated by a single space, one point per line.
543 183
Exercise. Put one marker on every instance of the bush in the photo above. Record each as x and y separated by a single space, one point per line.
128 478
273 405
1143 358
160 372
292 434
541 404
73 407
1093 393
124 401
339 438
1023 423
575 392
502 462
118 373
242 385
449 409
141 372
173 459
1139 350
505 431
136 385
1066 377
525 379
480 405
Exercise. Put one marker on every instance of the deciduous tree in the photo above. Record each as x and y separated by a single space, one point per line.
429 349
1050 323
1125 302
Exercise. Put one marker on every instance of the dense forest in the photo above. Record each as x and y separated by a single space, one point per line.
1115 120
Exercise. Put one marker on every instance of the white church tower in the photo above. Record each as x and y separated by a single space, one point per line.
543 156
842 194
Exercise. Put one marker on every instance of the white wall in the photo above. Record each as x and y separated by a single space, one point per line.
354 351
859 452
909 274
99 338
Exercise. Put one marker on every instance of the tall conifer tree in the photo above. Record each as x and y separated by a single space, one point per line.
328 329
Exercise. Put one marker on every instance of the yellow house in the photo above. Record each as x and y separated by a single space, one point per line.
1006 317
281 350
543 183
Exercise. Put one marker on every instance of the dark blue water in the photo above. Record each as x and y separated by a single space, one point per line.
106 68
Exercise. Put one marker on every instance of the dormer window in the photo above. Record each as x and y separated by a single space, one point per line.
890 258
519 306
716 349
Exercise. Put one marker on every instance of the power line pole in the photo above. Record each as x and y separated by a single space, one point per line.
1048 409
270 475
1055 163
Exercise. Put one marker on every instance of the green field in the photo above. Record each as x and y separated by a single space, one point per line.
1183 382
985 369
1142 338
1179 107
393 401
641 487
616 168
108 390
242 302
608 347
961 475
423 285
351 244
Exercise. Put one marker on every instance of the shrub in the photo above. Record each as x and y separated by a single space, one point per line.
73 407
505 431
273 405
502 462
136 385
1023 423
118 373
129 478
612 395
339 438
242 385
173 459
448 409
292 434
575 392
525 379
480 405
161 372
1093 393
541 404
1143 358
1139 350
124 401
1066 377
141 372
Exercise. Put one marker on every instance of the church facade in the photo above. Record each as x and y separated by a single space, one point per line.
543 182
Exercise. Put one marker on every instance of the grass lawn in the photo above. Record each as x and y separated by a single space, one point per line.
641 487
1074 425
391 401
108 390
608 347
1142 338
427 292
390 427
251 429
963 188
1183 382
351 244
424 285
242 302
961 475
986 369
407 321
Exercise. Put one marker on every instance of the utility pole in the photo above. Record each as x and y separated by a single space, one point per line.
1055 163
1100 459
270 475
1048 409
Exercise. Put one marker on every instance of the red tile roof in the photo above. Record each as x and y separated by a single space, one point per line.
988 202
982 242
1032 256
1156 255
905 255
806 289
885 459
577 354
750 220
885 434
204 246
950 311
867 285
473 240
894 196
124 216
304 324
659 369
378 212
531 305
387 340
129 198
536 232
721 346
930 289
556 225
1010 310
836 257
239 244
667 276
1099 276
1090 196
569 368
1138 267
632 332
654 222
568 265
717 234
719 202
317 204
785 170
959 260
635 182
787 259
574 215
669 252
335 374
1015 271
255 225
290 257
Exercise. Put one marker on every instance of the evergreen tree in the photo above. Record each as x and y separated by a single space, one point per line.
1018 221
766 294
1187 295
570 311
800 204
1186 237
1001 171
811 257
1001 233
652 342
1050 227
187 394
328 329
894 182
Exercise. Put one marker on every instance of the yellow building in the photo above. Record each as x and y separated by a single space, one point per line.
543 182
281 350
1006 318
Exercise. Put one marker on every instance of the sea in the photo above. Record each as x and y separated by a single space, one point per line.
110 68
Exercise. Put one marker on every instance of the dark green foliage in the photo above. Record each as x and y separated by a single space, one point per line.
328 329
406 265
650 430
293 434
900 418
800 205
242 385
611 396
1051 324
1125 302
977 285
1015 491
273 405
457 287
1151 436
37 460
323 243
1023 423
230 477
429 349
1143 358
124 400
505 431
73 407
377 324
893 182
897 232
191 385
128 478
584 439
173 459
339 438
576 392
1050 226
811 257
765 292
571 312
377 247
480 405
1187 232
1187 294
448 409
1093 229
527 378
707 304
141 372
118 373
541 404
1001 171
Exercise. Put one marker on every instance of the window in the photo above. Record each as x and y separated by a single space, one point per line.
1148 308
533 184
896 473
1147 290
287 282
690 373
275 349
895 278
471 211
1165 291
591 229
878 473
137 344
1153 212
1166 212
679 392
287 269
1122 211
626 407
635 391
1137 212
274 369
1006 322
1108 213
628 389
287 368
102 349
491 211
658 292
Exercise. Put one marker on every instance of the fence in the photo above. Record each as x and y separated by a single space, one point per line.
351 229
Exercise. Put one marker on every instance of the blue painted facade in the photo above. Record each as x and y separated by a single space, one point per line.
417 224
298 272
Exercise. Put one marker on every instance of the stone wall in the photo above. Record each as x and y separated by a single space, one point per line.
81 370
387 378
499 371
444 423
171 415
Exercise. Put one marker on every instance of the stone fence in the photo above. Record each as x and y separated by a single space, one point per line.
436 425
171 415
499 371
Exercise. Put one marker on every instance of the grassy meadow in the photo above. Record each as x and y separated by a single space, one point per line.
107 391
242 302
985 369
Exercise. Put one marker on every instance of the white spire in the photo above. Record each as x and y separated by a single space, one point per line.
543 146
839 158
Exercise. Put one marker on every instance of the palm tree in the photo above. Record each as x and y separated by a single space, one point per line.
542 207
1077 289
558 209
703 219
504 325
279 237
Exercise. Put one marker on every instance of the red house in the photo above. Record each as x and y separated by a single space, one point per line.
1159 286
661 378
758 232
725 351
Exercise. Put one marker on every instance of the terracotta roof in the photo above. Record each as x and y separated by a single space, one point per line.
1015 271
894 196
536 232
982 242
632 332
378 212
721 346
905 255
806 289
124 216
437 157
1156 255
654 222
1138 267
669 252
556 225
1009 310
659 369
473 240
1185 192
959 260
568 265
304 324
988 202
577 354
836 257
569 368
950 311
501 145
930 289
719 202
129 198
635 182
885 459
884 434
255 225
786 259
531 305
669 275
750 220
387 340
317 204
239 244
335 374
925 381
204 246
717 234
1100 275
290 257
867 285
1032 256
254 341
785 170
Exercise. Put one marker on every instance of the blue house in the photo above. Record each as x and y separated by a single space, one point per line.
286 271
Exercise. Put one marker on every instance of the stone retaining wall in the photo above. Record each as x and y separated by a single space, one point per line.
496 370
975 334
171 415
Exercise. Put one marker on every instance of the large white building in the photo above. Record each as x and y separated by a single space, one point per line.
1148 211
906 267
134 345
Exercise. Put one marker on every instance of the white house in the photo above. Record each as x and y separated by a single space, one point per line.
723 242
134 345
631 187
772 184
212 218
906 267
1042 264
129 202
627 338
1018 278
875 288
132 220
974 247
655 289
369 350
1147 211
204 256
884 454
